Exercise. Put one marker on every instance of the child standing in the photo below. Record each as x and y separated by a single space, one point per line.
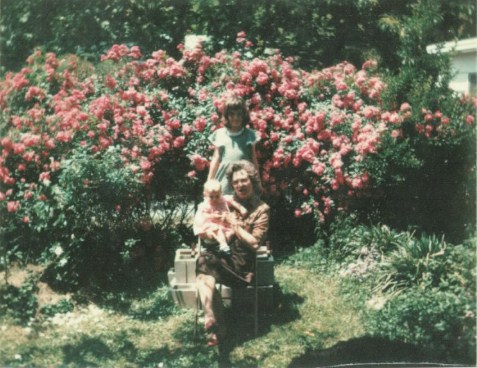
209 220
232 143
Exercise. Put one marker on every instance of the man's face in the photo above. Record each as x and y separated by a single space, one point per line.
242 184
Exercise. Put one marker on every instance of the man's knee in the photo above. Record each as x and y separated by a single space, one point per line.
202 279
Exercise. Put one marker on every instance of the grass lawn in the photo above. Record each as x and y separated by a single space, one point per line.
142 329
315 322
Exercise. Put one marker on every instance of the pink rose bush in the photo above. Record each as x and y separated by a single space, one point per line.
321 131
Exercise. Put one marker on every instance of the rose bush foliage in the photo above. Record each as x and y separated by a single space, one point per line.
109 142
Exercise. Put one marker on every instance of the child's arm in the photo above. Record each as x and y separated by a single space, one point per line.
214 164
234 204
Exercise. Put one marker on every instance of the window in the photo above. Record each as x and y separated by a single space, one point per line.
473 83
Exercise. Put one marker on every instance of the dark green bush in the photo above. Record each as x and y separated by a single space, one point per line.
428 262
318 32
430 286
419 289
103 221
441 322
63 306
19 303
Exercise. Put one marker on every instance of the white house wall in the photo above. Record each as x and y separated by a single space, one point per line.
464 62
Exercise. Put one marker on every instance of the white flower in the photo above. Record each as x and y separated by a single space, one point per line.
376 302
58 250
469 314
18 357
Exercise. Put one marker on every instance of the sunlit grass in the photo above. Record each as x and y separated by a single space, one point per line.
310 314
323 318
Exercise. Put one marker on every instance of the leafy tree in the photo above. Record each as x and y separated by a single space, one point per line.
89 27
319 32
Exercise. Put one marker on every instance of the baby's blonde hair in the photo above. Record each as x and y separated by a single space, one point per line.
212 185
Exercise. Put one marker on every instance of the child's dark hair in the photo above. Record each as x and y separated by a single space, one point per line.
235 103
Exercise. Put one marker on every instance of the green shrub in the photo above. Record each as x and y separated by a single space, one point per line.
157 305
349 239
429 291
428 262
93 217
417 289
95 159
63 306
441 322
19 303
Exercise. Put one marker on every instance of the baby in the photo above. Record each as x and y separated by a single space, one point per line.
209 220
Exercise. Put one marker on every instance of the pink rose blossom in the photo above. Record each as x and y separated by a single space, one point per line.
179 142
45 176
199 162
12 206
262 79
200 124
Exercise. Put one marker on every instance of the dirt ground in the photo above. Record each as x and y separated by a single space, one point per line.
17 276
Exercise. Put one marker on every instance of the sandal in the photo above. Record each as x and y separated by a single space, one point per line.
213 340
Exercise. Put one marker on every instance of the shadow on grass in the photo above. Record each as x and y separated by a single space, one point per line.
95 352
241 322
366 351
240 327
141 296
192 350
88 352
285 306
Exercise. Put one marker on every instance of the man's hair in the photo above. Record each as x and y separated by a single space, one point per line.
234 103
249 168
212 185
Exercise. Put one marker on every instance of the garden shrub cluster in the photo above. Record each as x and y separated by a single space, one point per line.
432 302
417 289
99 163
19 302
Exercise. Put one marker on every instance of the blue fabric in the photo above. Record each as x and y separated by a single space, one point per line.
232 148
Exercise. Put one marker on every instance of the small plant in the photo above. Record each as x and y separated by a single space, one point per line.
158 305
349 240
63 306
416 261
20 303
